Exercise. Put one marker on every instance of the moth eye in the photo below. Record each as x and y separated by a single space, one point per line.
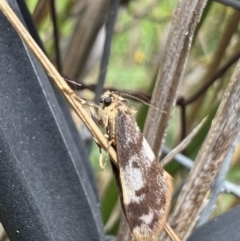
107 101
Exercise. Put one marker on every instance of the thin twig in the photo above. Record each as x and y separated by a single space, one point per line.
171 233
183 144
232 188
216 76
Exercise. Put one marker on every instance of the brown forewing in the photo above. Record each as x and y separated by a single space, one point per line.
145 187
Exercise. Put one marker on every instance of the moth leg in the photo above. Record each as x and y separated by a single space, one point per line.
106 120
101 163
109 146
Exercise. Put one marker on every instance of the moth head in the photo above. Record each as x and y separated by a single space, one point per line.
110 97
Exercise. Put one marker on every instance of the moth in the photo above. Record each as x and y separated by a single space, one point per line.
145 189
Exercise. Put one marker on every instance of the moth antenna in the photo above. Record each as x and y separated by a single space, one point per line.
135 96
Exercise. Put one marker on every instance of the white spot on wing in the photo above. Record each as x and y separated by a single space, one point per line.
132 180
147 218
143 231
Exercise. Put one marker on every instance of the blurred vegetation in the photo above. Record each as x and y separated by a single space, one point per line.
139 40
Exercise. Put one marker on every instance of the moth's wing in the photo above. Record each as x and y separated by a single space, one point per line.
146 187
